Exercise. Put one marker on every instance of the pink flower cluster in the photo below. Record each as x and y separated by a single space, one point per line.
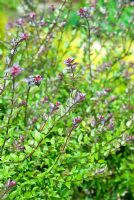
31 80
55 106
11 183
20 22
14 70
24 36
32 15
70 63
83 12
77 120
34 80
79 97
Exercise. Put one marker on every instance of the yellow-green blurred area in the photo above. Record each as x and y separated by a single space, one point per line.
3 21
71 40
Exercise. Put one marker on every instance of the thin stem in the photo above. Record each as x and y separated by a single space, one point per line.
10 115
5 192
45 41
62 151
47 134
26 107
10 63
89 48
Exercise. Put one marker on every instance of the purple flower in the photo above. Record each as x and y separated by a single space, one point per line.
101 118
79 97
24 36
32 15
71 65
83 12
11 183
9 25
69 61
21 138
62 24
20 21
111 124
130 138
42 23
44 100
37 79
77 120
22 103
33 120
54 107
14 70
34 80
108 89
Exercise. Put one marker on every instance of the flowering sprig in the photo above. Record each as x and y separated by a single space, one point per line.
79 97
15 70
20 22
70 64
32 15
34 80
10 183
24 36
77 121
83 12
55 106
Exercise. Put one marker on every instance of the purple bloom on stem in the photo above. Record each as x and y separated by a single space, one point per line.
20 21
71 65
44 100
77 120
79 97
22 103
11 183
37 79
101 117
42 23
130 138
111 124
54 107
24 36
69 61
34 80
9 25
32 15
14 70
83 12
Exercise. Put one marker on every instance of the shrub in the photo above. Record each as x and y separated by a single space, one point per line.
67 115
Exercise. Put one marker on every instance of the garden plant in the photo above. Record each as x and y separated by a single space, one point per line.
67 101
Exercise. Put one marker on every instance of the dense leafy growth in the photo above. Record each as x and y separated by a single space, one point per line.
67 103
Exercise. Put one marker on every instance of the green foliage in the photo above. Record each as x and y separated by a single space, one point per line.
46 148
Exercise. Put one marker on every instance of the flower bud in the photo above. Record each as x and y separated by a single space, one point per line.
77 120
14 70
11 183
